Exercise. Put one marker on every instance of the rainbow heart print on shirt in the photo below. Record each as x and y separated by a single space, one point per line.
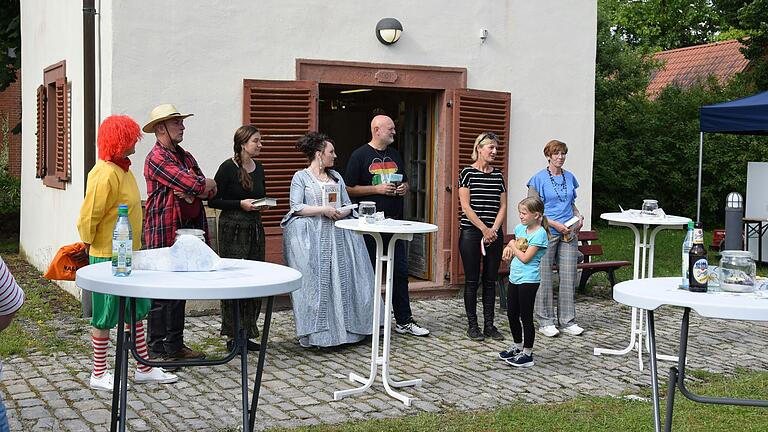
382 169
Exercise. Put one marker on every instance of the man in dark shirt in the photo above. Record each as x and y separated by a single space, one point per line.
176 187
369 177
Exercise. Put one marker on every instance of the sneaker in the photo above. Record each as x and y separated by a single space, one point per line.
573 330
510 353
104 382
411 328
474 333
156 375
549 331
493 333
185 353
523 360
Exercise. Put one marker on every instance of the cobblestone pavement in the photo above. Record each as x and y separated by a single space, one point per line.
51 392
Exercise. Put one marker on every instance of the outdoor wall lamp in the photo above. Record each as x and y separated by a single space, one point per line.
734 225
388 30
734 200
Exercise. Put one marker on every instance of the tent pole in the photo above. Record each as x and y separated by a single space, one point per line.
698 193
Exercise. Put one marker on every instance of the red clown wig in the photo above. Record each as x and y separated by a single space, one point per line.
117 133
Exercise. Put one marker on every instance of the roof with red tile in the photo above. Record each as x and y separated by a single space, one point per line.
685 66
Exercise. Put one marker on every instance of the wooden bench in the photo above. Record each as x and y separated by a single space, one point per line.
587 248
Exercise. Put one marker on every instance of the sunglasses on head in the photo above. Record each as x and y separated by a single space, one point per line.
489 135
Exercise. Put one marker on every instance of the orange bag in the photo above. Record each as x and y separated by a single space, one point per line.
65 263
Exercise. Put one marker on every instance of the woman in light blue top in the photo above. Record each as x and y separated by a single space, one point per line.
526 251
335 301
556 188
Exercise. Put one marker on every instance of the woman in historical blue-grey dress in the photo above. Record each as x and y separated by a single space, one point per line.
334 304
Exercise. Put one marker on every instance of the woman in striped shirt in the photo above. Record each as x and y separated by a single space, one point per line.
11 299
483 198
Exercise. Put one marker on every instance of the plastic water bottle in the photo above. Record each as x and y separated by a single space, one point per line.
122 243
687 244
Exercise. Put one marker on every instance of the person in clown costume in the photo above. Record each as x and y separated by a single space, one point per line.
111 183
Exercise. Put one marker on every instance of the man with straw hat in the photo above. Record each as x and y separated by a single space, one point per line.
176 187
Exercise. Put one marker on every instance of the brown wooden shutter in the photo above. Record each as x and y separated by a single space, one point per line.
283 111
62 131
41 140
474 112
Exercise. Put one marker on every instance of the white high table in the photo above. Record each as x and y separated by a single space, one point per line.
649 294
403 230
240 279
644 247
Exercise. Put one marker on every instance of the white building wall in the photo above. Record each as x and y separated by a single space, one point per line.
50 32
542 52
196 55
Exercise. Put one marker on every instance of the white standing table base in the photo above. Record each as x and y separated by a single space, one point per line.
644 247
383 359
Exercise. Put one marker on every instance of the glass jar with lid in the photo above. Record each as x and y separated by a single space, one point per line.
649 207
737 271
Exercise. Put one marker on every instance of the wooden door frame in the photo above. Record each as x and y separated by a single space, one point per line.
409 77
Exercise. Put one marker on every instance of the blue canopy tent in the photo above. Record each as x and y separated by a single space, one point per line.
746 116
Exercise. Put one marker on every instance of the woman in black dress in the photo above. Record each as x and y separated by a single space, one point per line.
240 180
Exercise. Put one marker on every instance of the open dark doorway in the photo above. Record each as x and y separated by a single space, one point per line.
345 114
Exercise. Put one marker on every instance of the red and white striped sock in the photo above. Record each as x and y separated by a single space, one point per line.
100 346
141 346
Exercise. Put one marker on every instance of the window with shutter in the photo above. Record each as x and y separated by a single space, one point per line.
283 111
474 112
53 141
40 165
62 131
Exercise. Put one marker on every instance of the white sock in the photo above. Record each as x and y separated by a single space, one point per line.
527 351
519 345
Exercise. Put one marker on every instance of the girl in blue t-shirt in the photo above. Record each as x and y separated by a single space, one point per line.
524 278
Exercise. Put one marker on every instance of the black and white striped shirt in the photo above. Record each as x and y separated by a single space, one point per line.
484 194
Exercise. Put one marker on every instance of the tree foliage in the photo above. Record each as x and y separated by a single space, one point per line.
753 18
649 148
10 42
656 25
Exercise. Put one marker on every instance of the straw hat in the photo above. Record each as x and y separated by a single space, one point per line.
162 113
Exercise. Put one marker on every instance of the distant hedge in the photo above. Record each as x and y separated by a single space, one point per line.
650 148
10 194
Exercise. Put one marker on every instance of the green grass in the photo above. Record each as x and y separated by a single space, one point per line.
594 413
37 325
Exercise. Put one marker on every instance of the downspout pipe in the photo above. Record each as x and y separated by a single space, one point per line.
89 88
89 108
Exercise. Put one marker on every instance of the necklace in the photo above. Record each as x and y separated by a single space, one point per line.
320 176
380 153
558 187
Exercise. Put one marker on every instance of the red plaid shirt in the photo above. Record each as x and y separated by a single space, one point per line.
168 170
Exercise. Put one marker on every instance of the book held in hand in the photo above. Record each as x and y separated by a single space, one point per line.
330 194
395 179
569 223
264 202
